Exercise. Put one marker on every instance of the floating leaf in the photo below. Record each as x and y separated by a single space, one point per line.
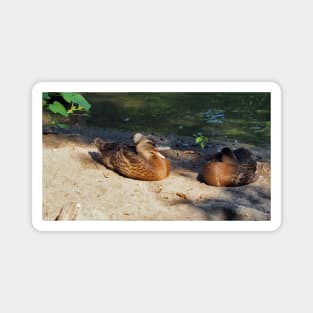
76 98
57 107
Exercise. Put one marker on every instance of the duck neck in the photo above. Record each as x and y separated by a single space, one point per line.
147 155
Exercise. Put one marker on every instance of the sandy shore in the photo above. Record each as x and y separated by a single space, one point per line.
71 175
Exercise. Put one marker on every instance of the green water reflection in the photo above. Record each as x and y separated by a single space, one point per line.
236 116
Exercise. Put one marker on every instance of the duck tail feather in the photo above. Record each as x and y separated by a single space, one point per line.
102 145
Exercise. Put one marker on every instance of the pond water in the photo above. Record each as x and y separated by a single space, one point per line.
242 117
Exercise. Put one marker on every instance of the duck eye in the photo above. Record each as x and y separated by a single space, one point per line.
152 143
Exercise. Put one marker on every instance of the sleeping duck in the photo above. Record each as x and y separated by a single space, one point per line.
142 161
230 168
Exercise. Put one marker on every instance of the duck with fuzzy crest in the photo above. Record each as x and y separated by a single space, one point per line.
140 161
230 168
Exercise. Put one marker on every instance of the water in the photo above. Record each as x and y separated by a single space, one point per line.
243 117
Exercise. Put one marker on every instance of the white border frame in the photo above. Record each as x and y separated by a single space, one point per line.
43 225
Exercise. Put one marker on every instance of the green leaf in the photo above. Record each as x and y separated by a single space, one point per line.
45 96
202 141
198 140
57 107
76 98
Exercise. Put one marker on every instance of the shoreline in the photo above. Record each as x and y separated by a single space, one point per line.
87 135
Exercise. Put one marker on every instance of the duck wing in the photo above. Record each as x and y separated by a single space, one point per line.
119 157
106 147
113 154
127 162
246 174
245 156
246 168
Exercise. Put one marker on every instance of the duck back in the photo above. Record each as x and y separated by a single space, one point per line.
125 160
232 168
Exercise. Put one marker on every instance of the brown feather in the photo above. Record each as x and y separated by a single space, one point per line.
137 162
230 168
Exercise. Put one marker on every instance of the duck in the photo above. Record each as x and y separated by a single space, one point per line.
141 161
230 168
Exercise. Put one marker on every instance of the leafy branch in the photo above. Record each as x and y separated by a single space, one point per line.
73 103
202 141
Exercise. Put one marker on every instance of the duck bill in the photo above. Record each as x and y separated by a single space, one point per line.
162 148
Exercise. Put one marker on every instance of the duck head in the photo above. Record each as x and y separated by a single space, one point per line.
228 156
146 146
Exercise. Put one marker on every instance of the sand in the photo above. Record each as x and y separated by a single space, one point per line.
71 175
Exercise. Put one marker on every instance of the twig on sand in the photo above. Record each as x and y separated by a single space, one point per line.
181 195
68 212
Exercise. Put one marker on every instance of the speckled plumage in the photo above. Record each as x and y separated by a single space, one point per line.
141 161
